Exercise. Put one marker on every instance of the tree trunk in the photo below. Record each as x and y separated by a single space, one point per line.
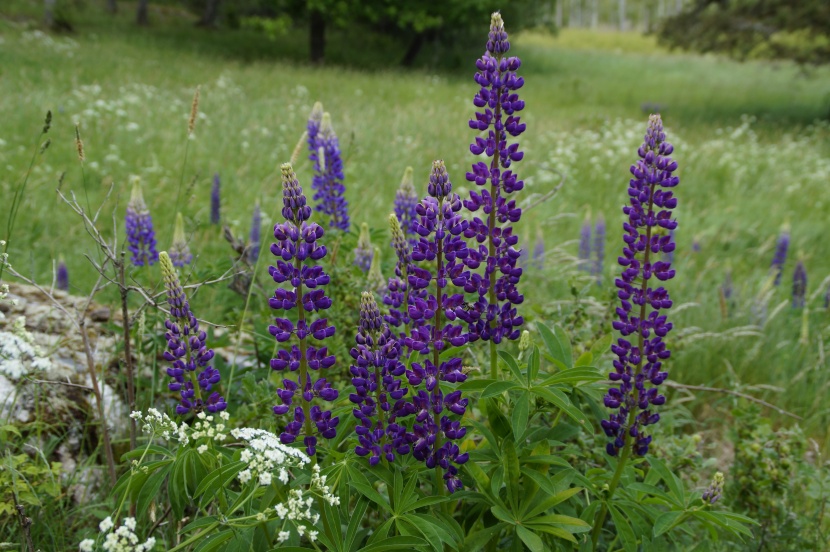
621 11
559 13
211 14
414 48
141 17
112 6
594 14
317 36
49 13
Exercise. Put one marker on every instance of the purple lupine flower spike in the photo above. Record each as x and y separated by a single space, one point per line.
436 427
599 249
297 250
799 285
585 245
193 376
328 174
179 250
406 201
313 130
493 316
539 251
638 369
364 251
62 276
379 396
780 257
669 257
215 215
141 238
375 280
255 237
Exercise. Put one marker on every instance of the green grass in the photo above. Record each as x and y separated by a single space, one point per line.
742 177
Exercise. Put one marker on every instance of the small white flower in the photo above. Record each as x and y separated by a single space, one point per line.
202 449
105 525
265 478
87 545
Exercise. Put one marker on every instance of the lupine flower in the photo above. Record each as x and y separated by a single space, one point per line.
141 237
599 249
440 227
379 396
328 173
313 129
364 251
539 251
799 285
585 245
375 279
179 250
669 257
493 316
214 201
297 249
398 291
255 237
62 276
193 376
780 257
638 369
713 493
406 200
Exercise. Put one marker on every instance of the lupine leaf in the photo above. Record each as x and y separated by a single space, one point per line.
672 481
354 522
558 344
476 540
369 492
580 374
214 541
498 388
560 400
601 345
216 480
394 543
585 359
624 530
150 490
666 521
555 531
531 539
533 363
519 418
552 501
511 364
512 471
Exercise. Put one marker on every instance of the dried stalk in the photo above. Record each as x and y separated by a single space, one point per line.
734 393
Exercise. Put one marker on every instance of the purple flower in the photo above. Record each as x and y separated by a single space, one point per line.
433 312
669 257
214 201
297 250
780 257
141 238
406 200
379 396
493 315
193 376
328 171
638 369
313 129
255 239
599 249
539 251
799 285
62 276
585 245
179 250
364 251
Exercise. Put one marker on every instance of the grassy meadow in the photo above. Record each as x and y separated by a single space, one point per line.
754 155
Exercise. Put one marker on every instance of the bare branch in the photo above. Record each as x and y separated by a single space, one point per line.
731 392
549 194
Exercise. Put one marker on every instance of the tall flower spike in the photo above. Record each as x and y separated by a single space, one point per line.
494 316
364 250
215 200
193 376
62 276
255 237
585 245
397 288
406 201
780 257
638 369
179 250
297 249
141 238
328 173
436 425
799 285
377 376
375 279
313 128
598 249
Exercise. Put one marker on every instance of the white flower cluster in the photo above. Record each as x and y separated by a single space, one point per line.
204 428
265 455
297 508
19 356
123 539
156 423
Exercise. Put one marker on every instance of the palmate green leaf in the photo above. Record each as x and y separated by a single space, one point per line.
512 365
666 521
150 490
432 530
585 359
475 384
727 521
574 376
214 541
601 345
476 540
651 490
369 492
519 417
551 501
503 515
671 480
198 524
571 524
139 452
558 344
512 471
624 530
354 523
498 388
552 530
561 401
533 364
394 543
215 480
531 539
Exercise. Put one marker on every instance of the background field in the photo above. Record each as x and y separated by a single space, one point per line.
753 151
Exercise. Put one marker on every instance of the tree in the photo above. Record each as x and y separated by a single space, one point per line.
141 17
211 14
775 29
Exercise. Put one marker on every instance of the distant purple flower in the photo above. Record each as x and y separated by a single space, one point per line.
799 285
599 249
364 251
297 251
585 245
397 296
215 217
62 276
328 172
539 251
727 288
669 257
379 396
638 368
141 238
313 129
494 316
440 227
780 257
255 238
179 250
406 200
696 245
187 350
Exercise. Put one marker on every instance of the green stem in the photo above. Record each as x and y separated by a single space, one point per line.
436 354
615 481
